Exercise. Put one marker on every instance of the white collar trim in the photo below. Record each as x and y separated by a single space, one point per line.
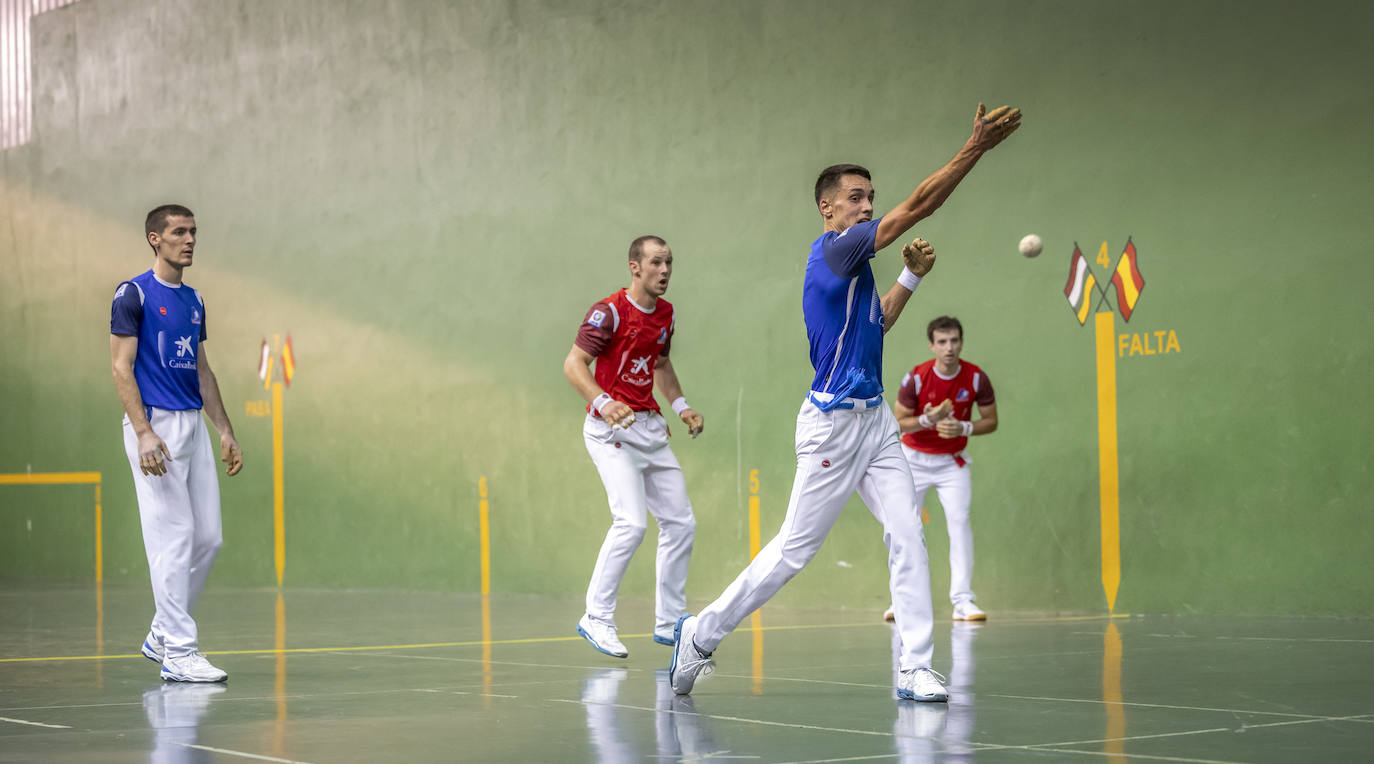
164 283
957 369
641 308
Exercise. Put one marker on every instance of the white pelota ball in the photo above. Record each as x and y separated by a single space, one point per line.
1030 245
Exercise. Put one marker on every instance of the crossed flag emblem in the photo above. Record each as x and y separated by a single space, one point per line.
1082 286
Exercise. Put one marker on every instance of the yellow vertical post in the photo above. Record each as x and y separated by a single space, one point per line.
1113 746
1108 489
756 618
278 485
484 544
484 535
99 550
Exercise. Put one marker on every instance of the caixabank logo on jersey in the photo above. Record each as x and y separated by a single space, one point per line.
1088 296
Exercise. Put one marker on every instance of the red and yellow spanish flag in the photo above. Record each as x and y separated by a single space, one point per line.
1128 281
288 361
1081 286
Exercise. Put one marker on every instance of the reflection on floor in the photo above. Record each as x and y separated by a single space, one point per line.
320 676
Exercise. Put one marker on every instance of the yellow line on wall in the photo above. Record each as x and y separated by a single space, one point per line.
278 486
484 535
68 478
99 551
1108 489
49 478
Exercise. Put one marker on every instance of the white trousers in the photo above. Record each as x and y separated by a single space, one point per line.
955 488
179 512
642 477
839 452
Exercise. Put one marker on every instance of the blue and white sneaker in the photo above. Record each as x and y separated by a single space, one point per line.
152 648
922 685
664 638
688 662
602 636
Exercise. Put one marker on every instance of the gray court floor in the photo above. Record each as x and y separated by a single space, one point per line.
322 676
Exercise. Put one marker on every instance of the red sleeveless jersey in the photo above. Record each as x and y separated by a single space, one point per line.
627 342
923 385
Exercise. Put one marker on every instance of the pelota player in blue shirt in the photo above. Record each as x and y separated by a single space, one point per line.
163 377
847 439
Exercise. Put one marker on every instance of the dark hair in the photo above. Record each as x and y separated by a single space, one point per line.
944 324
156 221
637 246
830 177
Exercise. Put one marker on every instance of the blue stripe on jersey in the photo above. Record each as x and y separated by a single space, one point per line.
844 315
169 322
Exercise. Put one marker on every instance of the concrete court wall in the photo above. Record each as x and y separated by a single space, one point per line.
426 196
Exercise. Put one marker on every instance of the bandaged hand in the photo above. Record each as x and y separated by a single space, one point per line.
919 257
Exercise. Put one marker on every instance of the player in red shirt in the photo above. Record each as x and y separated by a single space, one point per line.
628 336
944 390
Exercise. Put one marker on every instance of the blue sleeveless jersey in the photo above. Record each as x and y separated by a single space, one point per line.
169 322
844 314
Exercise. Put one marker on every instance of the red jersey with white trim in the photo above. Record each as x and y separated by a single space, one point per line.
627 342
924 384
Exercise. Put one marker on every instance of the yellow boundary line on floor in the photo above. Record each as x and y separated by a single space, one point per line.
525 641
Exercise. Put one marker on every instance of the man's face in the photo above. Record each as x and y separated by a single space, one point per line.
654 268
946 346
850 205
177 243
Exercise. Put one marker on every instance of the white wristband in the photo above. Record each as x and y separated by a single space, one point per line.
599 401
680 405
924 421
908 279
968 428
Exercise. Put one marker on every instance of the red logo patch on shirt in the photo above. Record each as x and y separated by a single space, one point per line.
825 462
163 311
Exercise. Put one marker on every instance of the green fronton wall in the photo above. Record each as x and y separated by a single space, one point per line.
427 196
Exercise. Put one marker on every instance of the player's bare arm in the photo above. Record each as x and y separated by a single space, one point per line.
986 423
919 258
577 367
229 450
909 421
665 377
989 129
151 449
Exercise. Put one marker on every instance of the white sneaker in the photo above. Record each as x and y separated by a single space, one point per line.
967 611
602 636
152 648
923 685
191 668
890 615
688 662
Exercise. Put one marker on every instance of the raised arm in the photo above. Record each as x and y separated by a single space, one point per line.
665 377
988 131
229 450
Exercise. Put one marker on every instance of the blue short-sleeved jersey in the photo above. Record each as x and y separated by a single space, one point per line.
169 322
844 314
